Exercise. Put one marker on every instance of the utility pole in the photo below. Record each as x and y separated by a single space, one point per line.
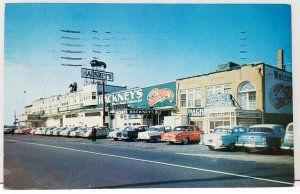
103 99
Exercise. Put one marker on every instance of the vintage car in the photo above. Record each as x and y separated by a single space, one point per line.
8 130
113 134
223 137
57 131
131 132
50 131
25 131
288 140
66 132
261 138
182 134
101 132
79 132
153 133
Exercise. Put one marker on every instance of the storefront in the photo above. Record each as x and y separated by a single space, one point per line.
141 106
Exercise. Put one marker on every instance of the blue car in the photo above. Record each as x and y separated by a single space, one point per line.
223 137
262 137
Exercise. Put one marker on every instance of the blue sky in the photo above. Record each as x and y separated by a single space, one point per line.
143 44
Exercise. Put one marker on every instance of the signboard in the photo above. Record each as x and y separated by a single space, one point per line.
141 111
154 96
195 112
219 100
97 74
278 91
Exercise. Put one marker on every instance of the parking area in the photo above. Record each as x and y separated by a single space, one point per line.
193 149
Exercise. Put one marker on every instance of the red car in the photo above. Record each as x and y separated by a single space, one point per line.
182 134
25 131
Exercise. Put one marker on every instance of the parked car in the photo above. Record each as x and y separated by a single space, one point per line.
67 131
44 131
38 131
50 131
101 132
182 134
24 131
261 137
8 130
153 133
113 134
79 132
32 132
57 131
131 132
288 140
223 137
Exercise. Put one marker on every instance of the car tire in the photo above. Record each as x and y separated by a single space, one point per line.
211 148
231 147
185 141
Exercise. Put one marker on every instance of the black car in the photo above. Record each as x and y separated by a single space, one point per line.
131 132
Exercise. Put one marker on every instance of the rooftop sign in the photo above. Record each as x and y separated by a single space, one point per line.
97 74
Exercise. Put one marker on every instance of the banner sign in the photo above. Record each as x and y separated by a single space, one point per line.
141 111
97 74
278 91
219 100
195 112
162 95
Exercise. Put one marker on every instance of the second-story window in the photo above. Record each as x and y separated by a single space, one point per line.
93 95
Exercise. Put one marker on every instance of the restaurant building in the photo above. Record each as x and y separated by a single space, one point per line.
237 95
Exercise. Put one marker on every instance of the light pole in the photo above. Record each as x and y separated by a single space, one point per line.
95 63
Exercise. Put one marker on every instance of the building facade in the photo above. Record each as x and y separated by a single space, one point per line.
233 95
237 95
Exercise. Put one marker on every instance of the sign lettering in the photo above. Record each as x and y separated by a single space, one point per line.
96 74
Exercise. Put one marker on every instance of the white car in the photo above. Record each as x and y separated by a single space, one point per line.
79 132
101 132
39 131
58 131
113 134
36 130
67 131
50 131
153 133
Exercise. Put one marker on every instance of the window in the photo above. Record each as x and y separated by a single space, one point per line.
92 114
93 95
183 98
247 96
218 89
190 98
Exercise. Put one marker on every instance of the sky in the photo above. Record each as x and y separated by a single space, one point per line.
142 44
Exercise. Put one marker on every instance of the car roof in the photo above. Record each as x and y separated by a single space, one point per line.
229 126
266 125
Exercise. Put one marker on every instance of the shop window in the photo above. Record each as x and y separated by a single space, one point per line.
247 96
197 98
93 95
211 125
183 98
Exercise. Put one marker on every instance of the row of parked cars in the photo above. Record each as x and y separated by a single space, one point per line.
256 138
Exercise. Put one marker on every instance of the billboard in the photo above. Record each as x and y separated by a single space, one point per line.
278 91
161 95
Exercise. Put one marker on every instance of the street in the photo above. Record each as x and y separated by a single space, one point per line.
45 162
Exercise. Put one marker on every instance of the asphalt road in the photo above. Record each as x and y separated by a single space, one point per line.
42 162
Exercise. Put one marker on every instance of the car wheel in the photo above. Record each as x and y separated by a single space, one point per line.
135 139
247 150
170 143
185 141
231 147
211 147
115 139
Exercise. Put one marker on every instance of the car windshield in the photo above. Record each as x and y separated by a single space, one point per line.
181 128
152 129
223 131
260 130
129 129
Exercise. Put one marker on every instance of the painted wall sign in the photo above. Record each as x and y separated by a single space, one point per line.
160 95
153 96
141 111
96 74
195 112
278 91
219 100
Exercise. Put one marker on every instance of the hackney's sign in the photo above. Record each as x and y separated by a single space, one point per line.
141 111
97 74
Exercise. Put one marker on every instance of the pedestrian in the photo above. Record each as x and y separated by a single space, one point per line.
13 131
94 131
